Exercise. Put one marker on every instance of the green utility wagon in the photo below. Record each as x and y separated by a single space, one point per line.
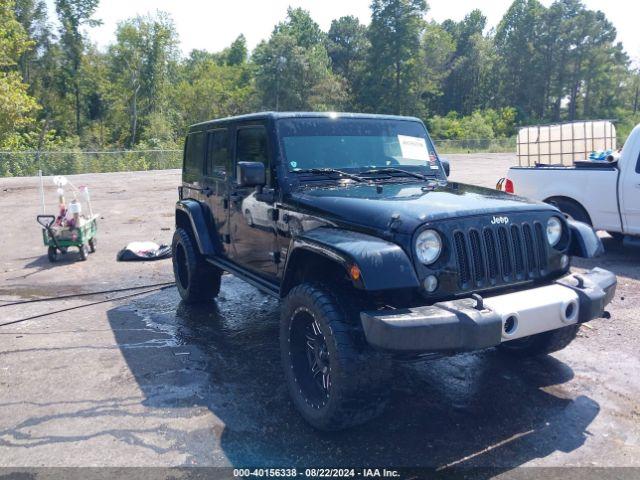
60 239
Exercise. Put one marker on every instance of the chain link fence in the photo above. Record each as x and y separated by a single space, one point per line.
27 163
477 145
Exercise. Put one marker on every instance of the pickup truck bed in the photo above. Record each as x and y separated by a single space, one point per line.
608 193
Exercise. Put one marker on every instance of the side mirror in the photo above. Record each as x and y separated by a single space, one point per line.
446 166
250 174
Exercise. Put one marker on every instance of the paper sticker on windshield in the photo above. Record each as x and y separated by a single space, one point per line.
413 148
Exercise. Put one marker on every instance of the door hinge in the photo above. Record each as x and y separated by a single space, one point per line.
275 256
225 203
226 238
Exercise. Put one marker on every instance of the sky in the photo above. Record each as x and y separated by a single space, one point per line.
213 25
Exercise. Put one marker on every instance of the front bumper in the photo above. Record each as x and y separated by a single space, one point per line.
473 323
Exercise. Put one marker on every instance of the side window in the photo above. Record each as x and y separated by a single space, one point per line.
218 160
251 145
194 154
638 165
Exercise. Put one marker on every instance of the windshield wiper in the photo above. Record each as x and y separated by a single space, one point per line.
399 170
331 170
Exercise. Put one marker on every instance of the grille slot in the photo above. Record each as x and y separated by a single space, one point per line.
463 259
476 253
517 249
542 249
505 255
532 262
492 259
500 254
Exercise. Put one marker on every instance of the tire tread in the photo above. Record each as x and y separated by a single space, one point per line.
365 373
205 279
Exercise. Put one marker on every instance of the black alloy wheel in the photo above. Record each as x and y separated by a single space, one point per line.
310 358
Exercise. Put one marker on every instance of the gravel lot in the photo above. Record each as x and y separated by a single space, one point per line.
148 381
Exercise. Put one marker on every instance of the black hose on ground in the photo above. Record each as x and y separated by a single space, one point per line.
85 294
122 297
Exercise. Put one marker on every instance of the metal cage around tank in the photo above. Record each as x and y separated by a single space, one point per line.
564 143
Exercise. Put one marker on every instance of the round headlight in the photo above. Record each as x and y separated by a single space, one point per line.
554 231
428 246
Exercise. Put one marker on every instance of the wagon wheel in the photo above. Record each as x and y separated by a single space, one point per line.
93 244
84 252
52 254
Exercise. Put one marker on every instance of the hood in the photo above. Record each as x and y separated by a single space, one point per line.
414 203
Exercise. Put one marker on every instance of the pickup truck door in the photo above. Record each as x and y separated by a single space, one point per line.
630 195
252 228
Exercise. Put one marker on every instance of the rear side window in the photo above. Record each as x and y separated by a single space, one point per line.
252 145
194 154
218 160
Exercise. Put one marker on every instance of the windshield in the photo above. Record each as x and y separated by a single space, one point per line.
356 144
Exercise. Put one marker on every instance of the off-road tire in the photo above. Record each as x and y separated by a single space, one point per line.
196 280
542 343
52 254
84 252
359 375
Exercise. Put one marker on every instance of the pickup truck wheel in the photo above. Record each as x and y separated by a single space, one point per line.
335 380
542 343
196 280
573 210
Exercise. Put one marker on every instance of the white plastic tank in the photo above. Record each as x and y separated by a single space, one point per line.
564 143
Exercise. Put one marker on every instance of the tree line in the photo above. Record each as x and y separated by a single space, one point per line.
540 64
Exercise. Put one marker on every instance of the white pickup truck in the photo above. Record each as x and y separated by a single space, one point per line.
604 194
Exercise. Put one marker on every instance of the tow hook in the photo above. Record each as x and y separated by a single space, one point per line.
479 301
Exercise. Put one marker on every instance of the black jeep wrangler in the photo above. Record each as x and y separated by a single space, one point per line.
350 220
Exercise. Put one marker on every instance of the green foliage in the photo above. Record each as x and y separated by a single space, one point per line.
438 50
470 83
73 15
541 64
293 69
17 107
481 124
237 53
347 45
394 65
140 68
208 90
301 27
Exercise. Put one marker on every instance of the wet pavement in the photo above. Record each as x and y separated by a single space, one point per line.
150 381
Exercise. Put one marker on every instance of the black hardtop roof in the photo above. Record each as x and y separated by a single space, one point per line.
278 115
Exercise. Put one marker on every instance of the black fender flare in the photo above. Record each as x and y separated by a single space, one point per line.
383 264
200 227
584 240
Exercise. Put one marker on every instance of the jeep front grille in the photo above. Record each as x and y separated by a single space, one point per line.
500 255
